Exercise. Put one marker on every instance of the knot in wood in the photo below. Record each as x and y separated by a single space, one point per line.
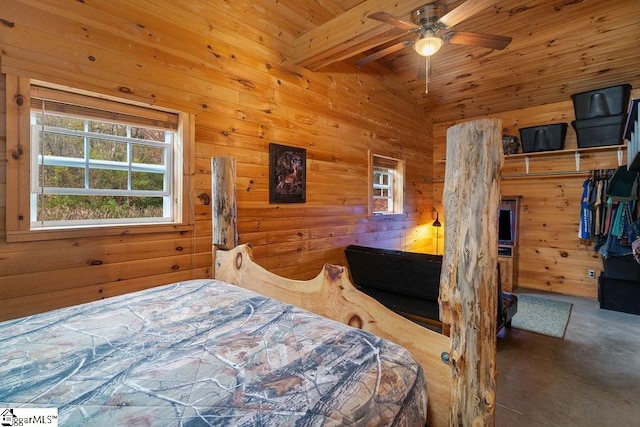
333 271
7 23
489 399
16 154
355 321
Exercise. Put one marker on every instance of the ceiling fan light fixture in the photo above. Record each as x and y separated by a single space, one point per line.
428 44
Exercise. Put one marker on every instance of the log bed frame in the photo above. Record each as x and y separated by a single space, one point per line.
460 369
332 295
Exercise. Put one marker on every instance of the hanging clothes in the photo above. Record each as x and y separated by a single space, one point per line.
584 231
619 227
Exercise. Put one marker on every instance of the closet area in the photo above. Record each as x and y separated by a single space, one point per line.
552 253
609 218
619 283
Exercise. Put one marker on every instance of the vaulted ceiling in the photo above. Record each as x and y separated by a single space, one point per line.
559 47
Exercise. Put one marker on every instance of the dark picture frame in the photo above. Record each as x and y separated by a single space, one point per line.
287 174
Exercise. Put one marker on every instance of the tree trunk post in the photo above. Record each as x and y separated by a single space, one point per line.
223 195
468 292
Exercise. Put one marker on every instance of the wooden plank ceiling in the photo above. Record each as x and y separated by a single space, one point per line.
559 47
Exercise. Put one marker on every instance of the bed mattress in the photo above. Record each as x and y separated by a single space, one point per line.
205 352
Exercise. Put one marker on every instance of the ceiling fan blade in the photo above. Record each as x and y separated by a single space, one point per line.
465 10
393 20
383 52
477 39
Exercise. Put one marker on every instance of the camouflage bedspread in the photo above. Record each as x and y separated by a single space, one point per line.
205 352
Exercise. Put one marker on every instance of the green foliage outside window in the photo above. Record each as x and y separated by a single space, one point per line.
100 162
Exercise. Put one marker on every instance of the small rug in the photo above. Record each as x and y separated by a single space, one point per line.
542 315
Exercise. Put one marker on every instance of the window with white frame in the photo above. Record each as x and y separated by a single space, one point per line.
82 164
98 162
387 185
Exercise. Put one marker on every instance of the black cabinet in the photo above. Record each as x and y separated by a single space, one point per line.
619 295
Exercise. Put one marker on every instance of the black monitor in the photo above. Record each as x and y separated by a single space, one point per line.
506 227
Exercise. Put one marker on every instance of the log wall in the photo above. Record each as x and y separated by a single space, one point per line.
551 256
237 76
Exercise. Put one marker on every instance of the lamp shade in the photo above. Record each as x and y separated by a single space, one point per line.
428 44
437 223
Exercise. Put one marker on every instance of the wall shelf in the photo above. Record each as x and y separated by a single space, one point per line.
577 152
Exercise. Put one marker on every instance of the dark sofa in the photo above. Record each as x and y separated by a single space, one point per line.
409 283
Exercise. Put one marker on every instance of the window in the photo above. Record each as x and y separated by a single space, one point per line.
383 190
387 185
96 162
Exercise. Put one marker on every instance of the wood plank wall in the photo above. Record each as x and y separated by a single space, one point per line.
237 76
551 256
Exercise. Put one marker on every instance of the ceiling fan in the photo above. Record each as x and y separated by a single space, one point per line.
432 24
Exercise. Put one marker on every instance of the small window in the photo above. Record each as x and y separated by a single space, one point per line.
387 185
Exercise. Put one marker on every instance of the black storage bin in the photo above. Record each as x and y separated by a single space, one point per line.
543 138
621 267
619 295
600 131
609 101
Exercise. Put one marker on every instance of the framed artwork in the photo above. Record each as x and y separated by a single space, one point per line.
287 174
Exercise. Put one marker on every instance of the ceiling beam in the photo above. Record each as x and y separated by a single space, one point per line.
351 33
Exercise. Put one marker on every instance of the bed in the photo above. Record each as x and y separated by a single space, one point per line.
207 352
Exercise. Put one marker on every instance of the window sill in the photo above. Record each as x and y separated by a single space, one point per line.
388 215
77 232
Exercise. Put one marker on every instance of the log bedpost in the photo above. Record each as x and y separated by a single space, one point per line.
223 195
468 291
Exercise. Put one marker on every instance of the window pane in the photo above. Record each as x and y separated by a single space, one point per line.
62 177
107 128
63 145
147 154
66 208
102 149
147 181
148 134
108 179
56 121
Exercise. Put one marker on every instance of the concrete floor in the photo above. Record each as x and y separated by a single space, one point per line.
589 378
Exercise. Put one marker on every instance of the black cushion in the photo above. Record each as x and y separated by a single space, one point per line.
409 282
404 304
406 273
